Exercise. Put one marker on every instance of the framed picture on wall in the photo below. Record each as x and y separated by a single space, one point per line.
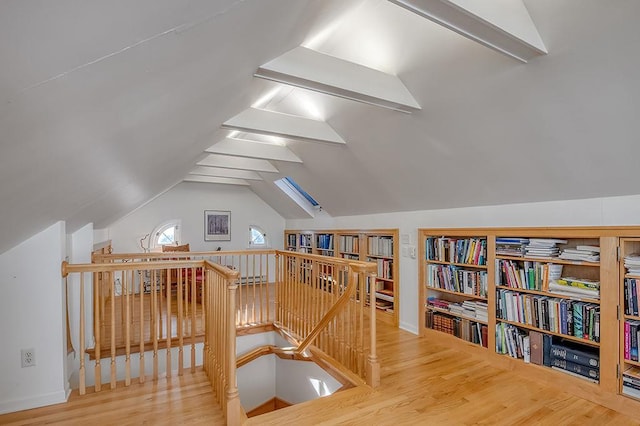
217 225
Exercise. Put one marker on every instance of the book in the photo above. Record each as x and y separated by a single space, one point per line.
546 349
564 352
571 373
592 373
526 344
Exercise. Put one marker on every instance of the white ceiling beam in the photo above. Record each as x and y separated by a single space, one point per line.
265 122
245 148
309 69
502 25
229 173
231 162
211 179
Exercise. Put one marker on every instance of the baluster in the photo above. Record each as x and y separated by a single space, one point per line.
127 337
182 283
82 372
373 365
113 330
97 325
193 315
168 320
141 322
154 320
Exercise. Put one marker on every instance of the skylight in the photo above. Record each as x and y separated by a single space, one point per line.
299 195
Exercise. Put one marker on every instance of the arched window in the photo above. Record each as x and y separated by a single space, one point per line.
257 237
168 233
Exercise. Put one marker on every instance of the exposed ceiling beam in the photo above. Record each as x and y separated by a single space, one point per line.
502 25
265 122
230 173
245 148
309 69
211 179
231 162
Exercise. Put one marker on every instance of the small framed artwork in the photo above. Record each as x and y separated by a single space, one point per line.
217 225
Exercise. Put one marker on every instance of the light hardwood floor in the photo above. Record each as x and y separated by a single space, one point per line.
423 383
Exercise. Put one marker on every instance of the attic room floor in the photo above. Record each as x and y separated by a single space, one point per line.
422 383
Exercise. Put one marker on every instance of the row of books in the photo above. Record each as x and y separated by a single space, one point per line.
631 335
324 241
291 240
380 245
539 348
472 251
453 278
306 240
350 243
385 268
468 308
631 382
527 275
631 296
563 316
462 328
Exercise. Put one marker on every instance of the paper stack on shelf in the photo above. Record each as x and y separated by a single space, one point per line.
632 263
574 287
582 253
543 247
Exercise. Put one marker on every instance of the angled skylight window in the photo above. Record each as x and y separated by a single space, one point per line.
299 195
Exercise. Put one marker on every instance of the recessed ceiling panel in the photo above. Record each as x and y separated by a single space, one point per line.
220 172
211 179
289 126
317 71
231 162
503 25
244 148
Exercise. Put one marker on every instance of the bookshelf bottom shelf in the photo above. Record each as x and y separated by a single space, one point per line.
462 328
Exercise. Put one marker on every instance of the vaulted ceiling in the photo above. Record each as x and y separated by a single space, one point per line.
106 104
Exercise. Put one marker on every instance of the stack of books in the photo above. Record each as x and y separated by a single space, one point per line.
511 246
574 361
582 253
543 247
574 287
631 382
632 263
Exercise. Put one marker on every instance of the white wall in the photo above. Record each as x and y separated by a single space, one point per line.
32 316
590 212
187 201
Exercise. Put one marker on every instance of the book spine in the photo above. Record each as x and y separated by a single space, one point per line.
546 349
575 356
627 341
592 373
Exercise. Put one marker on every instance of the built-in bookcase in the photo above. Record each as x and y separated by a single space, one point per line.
379 246
548 302
561 305
455 286
630 318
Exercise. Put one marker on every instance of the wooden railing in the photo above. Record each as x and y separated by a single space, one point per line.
164 306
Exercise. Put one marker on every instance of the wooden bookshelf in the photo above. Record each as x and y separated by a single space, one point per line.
606 346
454 285
629 289
379 246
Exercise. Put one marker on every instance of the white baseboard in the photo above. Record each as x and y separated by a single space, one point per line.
34 401
411 328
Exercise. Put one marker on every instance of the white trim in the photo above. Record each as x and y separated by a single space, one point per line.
34 401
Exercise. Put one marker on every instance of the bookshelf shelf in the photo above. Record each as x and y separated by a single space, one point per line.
445 311
374 256
457 293
548 260
550 294
553 333
465 265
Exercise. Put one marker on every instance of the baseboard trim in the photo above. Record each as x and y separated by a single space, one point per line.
34 401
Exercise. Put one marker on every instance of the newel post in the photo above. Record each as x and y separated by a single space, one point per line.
233 407
373 364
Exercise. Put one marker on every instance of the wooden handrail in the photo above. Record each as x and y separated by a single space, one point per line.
68 268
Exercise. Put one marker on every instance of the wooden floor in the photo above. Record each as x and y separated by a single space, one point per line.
423 383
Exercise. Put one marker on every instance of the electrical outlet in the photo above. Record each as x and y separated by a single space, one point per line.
28 357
